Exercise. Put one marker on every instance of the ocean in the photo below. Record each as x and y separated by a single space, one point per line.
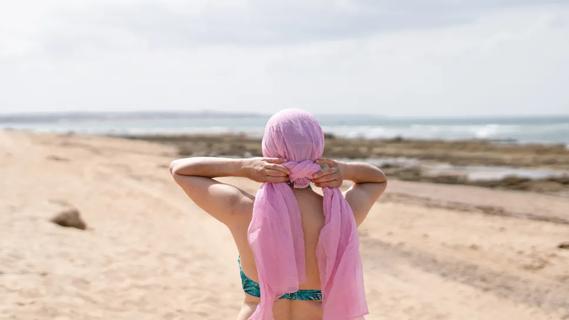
535 129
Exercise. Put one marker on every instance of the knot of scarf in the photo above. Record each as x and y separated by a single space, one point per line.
301 172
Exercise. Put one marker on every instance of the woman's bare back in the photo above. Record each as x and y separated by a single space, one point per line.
310 204
233 207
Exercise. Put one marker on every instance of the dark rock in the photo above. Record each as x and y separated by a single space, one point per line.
563 245
56 158
329 135
69 218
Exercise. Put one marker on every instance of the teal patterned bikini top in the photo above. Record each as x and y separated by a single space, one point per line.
251 287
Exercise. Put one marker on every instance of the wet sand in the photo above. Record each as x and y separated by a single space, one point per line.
431 251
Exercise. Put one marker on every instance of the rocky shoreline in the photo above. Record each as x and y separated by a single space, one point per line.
494 154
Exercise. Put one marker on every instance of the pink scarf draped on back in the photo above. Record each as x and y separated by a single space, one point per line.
276 235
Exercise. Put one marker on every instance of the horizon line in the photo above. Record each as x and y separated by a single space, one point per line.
257 114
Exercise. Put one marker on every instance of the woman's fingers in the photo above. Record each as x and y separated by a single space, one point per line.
325 172
326 178
330 176
328 162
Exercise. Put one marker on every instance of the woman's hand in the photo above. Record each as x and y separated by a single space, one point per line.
331 175
263 169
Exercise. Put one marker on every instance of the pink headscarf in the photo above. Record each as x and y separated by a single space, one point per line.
276 236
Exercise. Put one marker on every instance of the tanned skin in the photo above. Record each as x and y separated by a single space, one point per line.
233 207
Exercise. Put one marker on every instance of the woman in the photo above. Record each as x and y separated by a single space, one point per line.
298 250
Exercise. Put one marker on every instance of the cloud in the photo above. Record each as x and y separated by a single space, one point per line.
406 57
63 26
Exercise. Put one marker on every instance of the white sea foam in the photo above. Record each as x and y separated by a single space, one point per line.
529 129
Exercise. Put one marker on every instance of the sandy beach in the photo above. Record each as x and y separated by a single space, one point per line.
430 250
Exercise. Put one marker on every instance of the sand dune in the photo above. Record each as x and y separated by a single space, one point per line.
430 251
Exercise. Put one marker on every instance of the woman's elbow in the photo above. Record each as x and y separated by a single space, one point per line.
173 168
381 186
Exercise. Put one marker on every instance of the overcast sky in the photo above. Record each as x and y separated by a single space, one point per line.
407 57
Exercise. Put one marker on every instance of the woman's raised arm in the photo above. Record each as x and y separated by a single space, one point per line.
369 184
221 200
